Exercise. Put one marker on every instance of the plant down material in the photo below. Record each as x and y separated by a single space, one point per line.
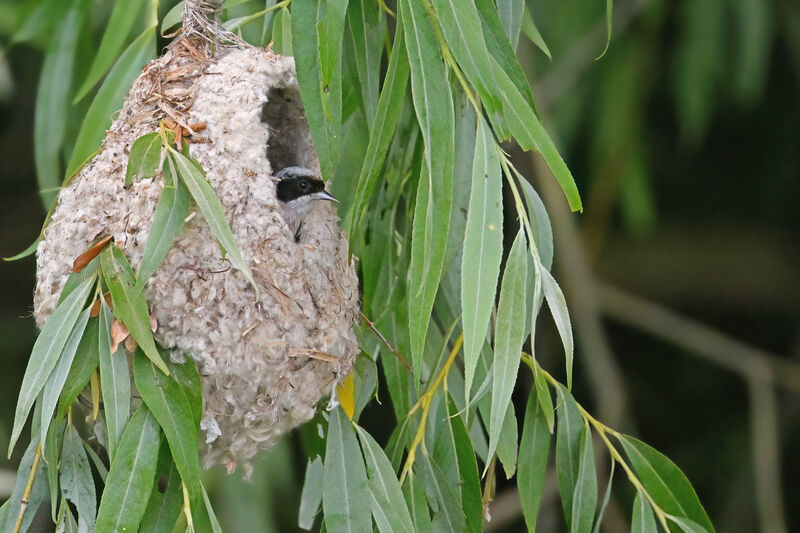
266 356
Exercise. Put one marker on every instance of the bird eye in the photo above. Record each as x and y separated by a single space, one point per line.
304 185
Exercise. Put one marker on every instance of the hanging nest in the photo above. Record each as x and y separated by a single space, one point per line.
267 360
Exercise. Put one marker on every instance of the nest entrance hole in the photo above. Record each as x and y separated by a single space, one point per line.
289 135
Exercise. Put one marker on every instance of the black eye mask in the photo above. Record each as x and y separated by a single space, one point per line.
293 185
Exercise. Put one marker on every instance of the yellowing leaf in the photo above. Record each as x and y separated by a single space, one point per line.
347 396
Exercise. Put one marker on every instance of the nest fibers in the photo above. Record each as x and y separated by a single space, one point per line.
265 362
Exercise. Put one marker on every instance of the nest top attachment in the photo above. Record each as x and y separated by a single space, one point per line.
266 361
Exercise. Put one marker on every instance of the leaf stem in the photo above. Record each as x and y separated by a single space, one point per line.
392 349
603 431
27 494
425 402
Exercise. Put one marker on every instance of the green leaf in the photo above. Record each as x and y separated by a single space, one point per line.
110 97
507 443
534 451
169 218
51 454
83 366
540 223
606 498
367 26
130 307
483 250
584 499
130 479
99 465
167 401
510 12
642 519
390 107
509 335
144 157
30 250
166 498
543 397
433 104
665 482
532 32
558 308
449 516
470 483
318 61
46 351
209 511
52 101
344 479
383 487
282 32
417 504
568 456
609 8
76 479
172 18
55 383
76 279
11 509
311 497
189 379
213 212
117 30
115 383
686 525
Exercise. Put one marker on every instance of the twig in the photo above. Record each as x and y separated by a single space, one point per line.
314 354
700 339
392 349
27 494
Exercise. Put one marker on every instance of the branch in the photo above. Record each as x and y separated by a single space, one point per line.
700 339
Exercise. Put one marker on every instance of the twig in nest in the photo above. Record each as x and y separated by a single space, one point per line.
313 354
392 349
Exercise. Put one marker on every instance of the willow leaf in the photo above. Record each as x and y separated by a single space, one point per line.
115 383
130 479
642 519
83 366
311 497
433 103
110 96
483 250
568 441
344 479
117 30
417 505
509 335
129 307
166 498
144 157
558 308
46 351
584 498
76 479
213 212
534 451
367 26
532 32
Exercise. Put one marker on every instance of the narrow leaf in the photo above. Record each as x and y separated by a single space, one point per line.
568 441
434 108
282 32
76 479
205 198
606 498
665 482
52 101
344 479
686 525
558 308
168 403
417 505
449 516
584 499
130 479
144 157
46 351
311 497
115 382
110 96
483 250
10 510
509 335
642 519
83 366
166 498
169 218
534 451
367 26
387 115
532 32
129 307
55 383
172 18
383 483
510 12
508 443
117 30
540 223
470 483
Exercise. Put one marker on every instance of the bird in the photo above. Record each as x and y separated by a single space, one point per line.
297 189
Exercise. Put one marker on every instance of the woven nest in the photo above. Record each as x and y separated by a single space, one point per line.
266 362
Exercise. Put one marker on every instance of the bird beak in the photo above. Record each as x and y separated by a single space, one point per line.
323 195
